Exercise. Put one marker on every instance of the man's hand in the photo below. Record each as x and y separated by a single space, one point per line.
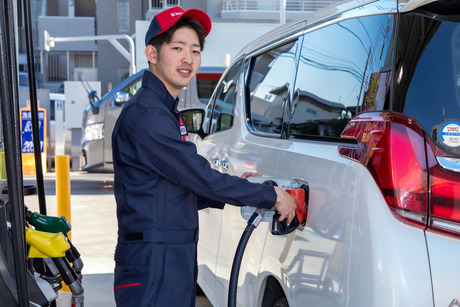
250 174
285 205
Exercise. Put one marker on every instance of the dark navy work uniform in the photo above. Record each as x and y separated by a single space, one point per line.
160 183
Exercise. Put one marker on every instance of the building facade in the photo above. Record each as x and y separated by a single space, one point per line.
100 60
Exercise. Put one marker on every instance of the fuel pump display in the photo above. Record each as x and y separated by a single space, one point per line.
299 190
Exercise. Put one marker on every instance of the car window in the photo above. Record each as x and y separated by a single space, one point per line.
344 68
132 89
269 87
428 84
124 91
219 113
205 84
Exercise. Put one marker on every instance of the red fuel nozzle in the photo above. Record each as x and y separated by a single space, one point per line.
300 196
300 200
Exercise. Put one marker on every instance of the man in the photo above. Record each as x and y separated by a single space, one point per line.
161 181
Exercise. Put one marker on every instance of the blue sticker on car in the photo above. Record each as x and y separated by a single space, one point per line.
450 134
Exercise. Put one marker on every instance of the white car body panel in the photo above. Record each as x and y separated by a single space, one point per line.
305 257
444 251
353 251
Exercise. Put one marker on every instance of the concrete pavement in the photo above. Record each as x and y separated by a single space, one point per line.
94 232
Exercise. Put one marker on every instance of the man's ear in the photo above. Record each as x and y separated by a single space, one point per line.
151 54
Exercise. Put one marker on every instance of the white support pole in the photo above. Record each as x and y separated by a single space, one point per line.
282 12
59 129
68 64
71 7
50 41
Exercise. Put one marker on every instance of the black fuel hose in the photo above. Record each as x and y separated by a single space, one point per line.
253 222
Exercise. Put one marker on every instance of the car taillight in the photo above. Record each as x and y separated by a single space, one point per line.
444 190
404 163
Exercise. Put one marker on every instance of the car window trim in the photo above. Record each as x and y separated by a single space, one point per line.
248 65
213 99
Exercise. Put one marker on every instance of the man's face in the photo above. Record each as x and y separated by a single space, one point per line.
178 61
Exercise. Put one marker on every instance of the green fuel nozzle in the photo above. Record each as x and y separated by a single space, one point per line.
46 223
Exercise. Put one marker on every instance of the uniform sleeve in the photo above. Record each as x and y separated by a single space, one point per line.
160 148
204 203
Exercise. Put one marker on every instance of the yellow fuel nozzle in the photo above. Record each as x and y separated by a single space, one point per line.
45 244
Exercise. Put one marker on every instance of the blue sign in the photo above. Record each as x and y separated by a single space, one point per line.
26 130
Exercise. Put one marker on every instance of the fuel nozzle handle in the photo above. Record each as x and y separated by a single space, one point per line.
54 224
74 257
68 275
300 196
46 245
46 223
257 216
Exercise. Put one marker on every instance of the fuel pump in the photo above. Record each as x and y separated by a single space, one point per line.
54 251
299 190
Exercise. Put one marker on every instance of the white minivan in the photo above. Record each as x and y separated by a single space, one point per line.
360 100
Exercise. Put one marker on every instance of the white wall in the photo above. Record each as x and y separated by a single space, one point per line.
76 101
225 38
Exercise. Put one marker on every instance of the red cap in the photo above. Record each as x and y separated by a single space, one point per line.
166 19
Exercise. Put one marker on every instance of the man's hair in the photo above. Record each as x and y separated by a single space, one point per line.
184 22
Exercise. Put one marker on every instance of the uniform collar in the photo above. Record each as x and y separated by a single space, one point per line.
150 81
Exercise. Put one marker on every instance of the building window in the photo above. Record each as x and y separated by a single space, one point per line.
155 4
123 16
